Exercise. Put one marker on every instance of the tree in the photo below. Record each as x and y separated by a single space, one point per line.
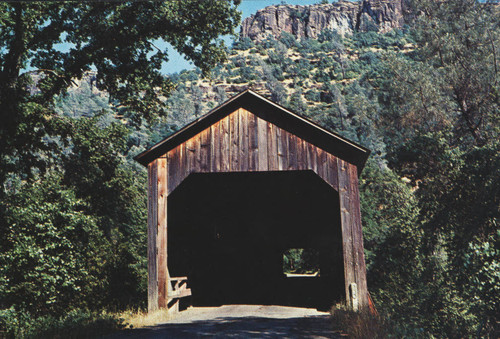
454 80
72 210
469 221
468 62
182 108
296 103
221 94
441 129
116 39
393 241
278 92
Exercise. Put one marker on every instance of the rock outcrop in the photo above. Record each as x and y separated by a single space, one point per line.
344 17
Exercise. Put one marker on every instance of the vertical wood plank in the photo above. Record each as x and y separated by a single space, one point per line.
292 152
216 146
205 151
152 233
162 233
172 170
243 139
213 147
312 158
272 147
331 171
197 152
224 145
234 142
301 154
360 265
262 144
282 141
345 218
320 161
334 166
190 156
253 159
183 169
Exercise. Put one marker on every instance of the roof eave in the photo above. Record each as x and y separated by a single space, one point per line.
351 151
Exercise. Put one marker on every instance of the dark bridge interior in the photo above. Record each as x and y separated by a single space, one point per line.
228 232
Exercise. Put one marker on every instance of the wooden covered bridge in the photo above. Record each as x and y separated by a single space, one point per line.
232 191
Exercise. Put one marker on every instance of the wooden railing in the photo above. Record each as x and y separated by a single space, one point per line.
179 290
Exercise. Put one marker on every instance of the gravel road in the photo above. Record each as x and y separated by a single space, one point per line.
240 321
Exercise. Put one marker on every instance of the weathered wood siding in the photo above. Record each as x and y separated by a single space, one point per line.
243 142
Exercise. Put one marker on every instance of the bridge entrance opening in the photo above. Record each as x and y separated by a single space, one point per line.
230 232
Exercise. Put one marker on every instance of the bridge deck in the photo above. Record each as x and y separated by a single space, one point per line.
241 321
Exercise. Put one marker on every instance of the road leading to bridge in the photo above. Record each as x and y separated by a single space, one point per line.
241 321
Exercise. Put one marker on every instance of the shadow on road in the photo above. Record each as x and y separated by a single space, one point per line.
239 327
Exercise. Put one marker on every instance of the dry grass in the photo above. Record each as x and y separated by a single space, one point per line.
359 325
139 318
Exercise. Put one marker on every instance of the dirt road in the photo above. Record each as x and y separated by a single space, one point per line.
241 321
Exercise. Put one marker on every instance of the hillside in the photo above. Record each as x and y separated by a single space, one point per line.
311 59
324 79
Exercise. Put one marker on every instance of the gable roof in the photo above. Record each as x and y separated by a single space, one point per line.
267 110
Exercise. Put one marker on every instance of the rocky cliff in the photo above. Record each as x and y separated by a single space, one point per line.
309 21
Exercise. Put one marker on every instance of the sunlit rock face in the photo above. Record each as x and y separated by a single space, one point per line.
343 17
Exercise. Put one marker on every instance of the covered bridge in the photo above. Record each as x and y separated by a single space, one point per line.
231 192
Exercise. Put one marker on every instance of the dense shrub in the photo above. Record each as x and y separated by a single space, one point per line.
243 44
312 95
74 324
289 40
56 251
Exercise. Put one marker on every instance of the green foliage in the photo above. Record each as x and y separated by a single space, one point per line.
390 214
83 102
116 39
278 92
469 225
393 243
243 44
312 95
116 195
53 250
247 74
74 324
442 118
395 38
296 103
310 46
289 40
450 82
328 35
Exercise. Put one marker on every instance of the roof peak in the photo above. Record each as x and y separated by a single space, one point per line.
272 112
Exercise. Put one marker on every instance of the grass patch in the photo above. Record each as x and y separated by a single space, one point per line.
360 325
75 324
140 318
